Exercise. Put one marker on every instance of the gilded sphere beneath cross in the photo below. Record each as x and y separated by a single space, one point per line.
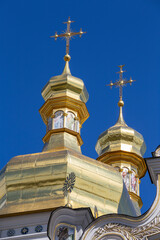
67 58
120 103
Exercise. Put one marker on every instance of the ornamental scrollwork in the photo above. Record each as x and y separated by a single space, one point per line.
144 231
130 233
115 228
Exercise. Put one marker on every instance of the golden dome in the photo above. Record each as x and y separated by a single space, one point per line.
120 137
65 85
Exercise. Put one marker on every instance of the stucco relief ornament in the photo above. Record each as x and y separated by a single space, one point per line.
68 187
115 228
130 233
149 229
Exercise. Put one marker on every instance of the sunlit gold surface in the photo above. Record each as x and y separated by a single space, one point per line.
62 138
64 102
54 131
125 157
122 144
35 181
64 92
136 198
65 85
121 137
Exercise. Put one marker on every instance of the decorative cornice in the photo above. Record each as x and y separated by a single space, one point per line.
114 228
60 130
64 102
130 233
123 156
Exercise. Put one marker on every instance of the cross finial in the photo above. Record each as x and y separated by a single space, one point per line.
67 35
121 82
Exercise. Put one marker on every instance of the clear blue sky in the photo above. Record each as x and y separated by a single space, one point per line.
118 32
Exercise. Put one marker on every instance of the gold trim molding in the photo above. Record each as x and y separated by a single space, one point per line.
64 102
136 198
60 130
128 157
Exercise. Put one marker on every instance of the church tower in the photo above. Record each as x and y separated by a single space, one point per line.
64 110
123 148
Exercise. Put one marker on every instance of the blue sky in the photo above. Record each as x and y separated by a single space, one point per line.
118 32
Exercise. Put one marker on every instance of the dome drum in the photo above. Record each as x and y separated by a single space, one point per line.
125 157
51 104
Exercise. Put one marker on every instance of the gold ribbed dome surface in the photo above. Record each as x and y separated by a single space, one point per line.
65 85
120 137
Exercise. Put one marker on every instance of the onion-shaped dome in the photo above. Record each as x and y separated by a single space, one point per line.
121 137
65 85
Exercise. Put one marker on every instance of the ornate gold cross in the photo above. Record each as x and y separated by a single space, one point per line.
121 82
68 34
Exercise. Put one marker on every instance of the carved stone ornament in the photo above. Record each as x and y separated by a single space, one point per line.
130 233
114 228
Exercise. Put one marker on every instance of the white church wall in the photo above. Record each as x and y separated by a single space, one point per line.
29 226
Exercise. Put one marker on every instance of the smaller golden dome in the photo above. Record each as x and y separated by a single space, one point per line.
120 137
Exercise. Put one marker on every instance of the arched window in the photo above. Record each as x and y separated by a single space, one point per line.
49 124
70 122
133 182
125 176
58 120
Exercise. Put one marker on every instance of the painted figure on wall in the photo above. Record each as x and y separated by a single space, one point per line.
70 122
133 182
58 120
125 176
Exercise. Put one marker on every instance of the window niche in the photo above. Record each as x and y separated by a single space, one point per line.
62 119
125 175
65 232
70 121
59 119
